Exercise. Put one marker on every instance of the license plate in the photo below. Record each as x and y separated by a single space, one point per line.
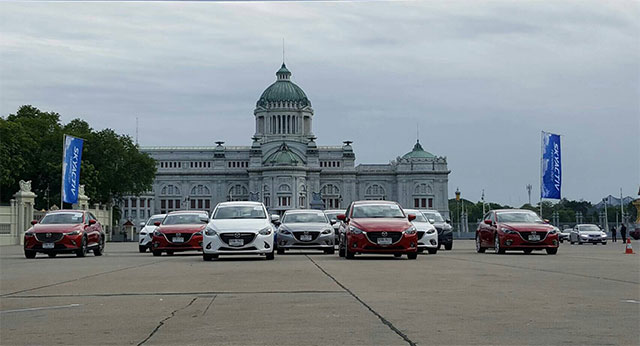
384 241
48 245
178 240
236 242
534 237
306 237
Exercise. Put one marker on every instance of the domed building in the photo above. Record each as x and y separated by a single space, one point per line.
285 169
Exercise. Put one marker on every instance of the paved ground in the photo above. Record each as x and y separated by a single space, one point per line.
584 295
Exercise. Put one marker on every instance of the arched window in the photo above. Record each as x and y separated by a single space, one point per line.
330 196
238 193
266 193
284 188
169 198
423 196
375 192
199 198
302 196
170 190
200 190
284 195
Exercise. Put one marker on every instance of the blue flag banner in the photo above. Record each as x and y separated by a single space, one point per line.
72 156
551 166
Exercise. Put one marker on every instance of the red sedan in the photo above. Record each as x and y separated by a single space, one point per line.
379 227
179 231
516 229
65 231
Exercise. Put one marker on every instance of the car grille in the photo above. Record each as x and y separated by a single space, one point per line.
420 234
49 237
238 248
373 236
314 235
525 235
186 236
397 247
247 237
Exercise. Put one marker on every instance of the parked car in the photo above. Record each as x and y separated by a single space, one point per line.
146 233
332 215
445 231
587 233
65 231
427 234
377 227
516 229
240 228
305 229
564 235
179 231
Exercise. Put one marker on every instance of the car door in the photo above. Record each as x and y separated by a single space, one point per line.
92 234
491 229
486 231
344 226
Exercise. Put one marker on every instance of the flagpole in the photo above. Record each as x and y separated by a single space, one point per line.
64 140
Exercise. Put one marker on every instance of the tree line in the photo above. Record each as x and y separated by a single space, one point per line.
31 149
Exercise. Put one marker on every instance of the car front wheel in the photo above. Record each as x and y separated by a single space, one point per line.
448 246
100 248
270 255
552 250
479 248
412 255
496 244
432 251
142 248
29 254
82 251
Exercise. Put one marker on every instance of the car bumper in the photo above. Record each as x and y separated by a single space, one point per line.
359 243
516 242
445 238
261 244
289 241
592 240
163 244
144 240
67 243
428 241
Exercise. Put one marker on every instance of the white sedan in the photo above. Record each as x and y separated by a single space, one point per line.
146 233
239 228
587 233
427 233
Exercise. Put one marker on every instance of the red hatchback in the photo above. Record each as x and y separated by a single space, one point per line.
516 229
179 231
377 227
64 231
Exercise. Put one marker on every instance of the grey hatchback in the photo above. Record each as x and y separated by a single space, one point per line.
305 229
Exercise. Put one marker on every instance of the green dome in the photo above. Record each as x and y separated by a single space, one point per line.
283 89
284 157
418 153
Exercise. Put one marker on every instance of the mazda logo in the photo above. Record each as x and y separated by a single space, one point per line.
178 234
237 235
48 235
306 232
384 234
535 233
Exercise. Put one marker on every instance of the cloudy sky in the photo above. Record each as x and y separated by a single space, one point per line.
479 79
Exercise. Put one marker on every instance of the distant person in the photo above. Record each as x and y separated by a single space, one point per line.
623 233
614 237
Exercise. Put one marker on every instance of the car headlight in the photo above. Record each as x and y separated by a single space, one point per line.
327 231
603 234
284 231
431 231
29 234
355 230
553 231
198 233
143 233
508 231
265 231
210 232
157 234
73 233
410 230
583 236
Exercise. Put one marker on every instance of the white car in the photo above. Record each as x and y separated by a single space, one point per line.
587 233
146 233
427 233
239 228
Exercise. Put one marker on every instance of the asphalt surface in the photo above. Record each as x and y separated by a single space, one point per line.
584 295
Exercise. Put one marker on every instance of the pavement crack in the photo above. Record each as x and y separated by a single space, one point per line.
380 317
209 305
161 323
151 294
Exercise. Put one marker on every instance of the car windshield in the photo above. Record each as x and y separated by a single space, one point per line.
239 212
153 220
519 217
184 219
433 215
419 216
588 228
377 211
61 218
333 215
304 218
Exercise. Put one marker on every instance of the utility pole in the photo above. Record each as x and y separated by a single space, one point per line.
483 203
606 216
621 207
529 187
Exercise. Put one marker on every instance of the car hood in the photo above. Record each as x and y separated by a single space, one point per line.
423 226
239 225
533 227
590 232
380 224
149 228
187 228
312 226
40 228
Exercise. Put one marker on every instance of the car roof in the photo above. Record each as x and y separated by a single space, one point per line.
187 212
512 210
158 215
335 210
240 203
66 211
293 211
376 201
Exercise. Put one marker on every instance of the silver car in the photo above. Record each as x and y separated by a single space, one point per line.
587 233
332 215
305 229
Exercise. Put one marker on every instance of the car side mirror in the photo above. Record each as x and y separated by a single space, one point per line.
157 223
546 220
34 222
333 221
411 217
92 222
488 222
204 219
341 217
275 219
448 221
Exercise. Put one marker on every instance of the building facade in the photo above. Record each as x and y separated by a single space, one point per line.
284 168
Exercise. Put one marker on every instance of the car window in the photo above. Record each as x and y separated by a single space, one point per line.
377 210
239 212
519 217
304 218
434 215
588 228
419 216
183 219
62 218
153 220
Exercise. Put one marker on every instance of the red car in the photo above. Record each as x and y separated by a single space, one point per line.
179 231
65 231
377 227
516 229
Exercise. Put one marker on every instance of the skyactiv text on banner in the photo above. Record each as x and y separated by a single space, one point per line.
72 157
551 166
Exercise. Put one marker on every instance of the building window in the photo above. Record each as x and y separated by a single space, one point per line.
421 196
238 193
330 196
430 202
284 201
134 203
375 192
126 203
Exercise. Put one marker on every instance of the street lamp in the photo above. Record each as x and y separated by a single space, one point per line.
458 207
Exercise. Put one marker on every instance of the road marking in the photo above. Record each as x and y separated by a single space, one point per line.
630 301
41 308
